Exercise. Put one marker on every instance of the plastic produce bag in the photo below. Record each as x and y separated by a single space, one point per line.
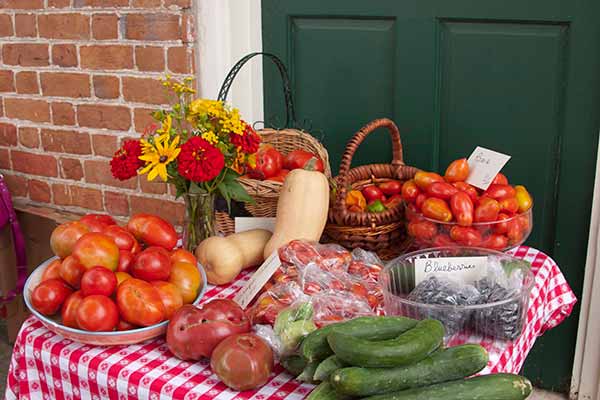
293 324
300 253
272 301
334 306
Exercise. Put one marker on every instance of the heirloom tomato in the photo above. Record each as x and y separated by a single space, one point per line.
153 230
466 236
457 171
96 249
372 193
423 230
170 296
462 208
49 295
523 198
500 191
424 179
52 271
509 204
410 191
421 197
97 313
122 277
183 255
500 179
391 187
151 265
187 279
140 303
441 190
487 210
98 280
69 309
123 238
71 271
269 162
64 237
125 260
468 189
496 242
300 158
437 209
97 222
501 227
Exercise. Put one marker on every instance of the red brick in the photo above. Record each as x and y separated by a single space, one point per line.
65 84
86 198
71 168
106 86
25 25
27 82
153 187
150 58
104 116
8 134
64 55
61 195
106 57
35 164
17 185
1 107
99 172
4 159
104 145
179 60
116 203
7 81
144 90
104 26
29 137
22 4
178 3
160 26
32 110
63 141
142 118
6 25
63 114
64 26
25 54
101 3
145 3
59 3
39 191
169 210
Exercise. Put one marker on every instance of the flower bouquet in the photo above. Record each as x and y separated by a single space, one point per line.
200 146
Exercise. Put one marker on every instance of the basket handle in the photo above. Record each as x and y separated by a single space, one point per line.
287 92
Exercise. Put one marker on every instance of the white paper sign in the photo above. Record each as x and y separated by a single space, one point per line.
461 269
484 164
258 280
243 224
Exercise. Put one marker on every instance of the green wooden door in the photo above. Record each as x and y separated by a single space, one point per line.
520 77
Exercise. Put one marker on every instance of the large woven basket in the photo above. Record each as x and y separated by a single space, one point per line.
382 232
265 193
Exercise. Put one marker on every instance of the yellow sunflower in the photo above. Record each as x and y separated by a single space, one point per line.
158 156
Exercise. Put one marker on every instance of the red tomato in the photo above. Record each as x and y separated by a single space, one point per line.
300 158
125 260
496 242
421 197
500 191
410 191
359 290
98 280
122 237
96 249
140 303
391 187
393 201
69 309
97 313
211 323
151 265
52 271
372 193
183 255
424 179
97 222
187 279
423 230
436 209
242 361
468 189
487 210
515 231
48 296
153 230
65 236
170 296
441 190
122 277
443 240
509 204
501 227
462 208
500 179
457 171
71 271
465 236
268 163
125 326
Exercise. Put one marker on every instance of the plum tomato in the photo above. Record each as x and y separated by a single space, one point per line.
391 187
187 279
151 265
52 271
437 209
495 242
410 191
64 237
441 190
69 309
523 198
443 240
71 271
424 179
153 230
468 189
97 313
49 295
372 193
421 197
98 280
500 179
509 205
500 191
487 210
122 237
140 303
125 260
97 222
466 236
183 255
457 171
170 296
501 227
96 249
423 230
462 208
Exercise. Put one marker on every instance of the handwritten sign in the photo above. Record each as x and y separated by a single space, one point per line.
462 269
243 224
258 280
484 165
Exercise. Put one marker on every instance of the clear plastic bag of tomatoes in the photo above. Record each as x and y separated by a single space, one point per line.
366 265
272 301
333 306
300 253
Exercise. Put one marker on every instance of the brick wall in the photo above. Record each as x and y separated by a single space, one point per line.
76 78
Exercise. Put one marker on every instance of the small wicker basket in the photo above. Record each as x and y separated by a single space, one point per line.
381 232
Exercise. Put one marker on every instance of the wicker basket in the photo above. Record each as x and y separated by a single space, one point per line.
382 232
266 193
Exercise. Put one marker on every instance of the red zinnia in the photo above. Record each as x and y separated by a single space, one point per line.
126 162
199 161
247 141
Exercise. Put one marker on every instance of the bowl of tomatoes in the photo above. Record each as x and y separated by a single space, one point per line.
448 211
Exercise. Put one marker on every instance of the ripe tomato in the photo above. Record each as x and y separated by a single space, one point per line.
65 236
187 279
71 271
140 303
443 240
509 204
97 222
410 191
500 179
423 230
183 255
462 208
391 187
393 201
372 193
69 309
280 177
466 236
496 242
515 231
523 198
300 158
424 179
441 190
97 313
268 163
151 265
500 191
457 171
48 296
125 326
468 189
501 227
170 296
52 271
125 260
122 238
242 361
122 277
96 249
487 210
421 197
153 230
98 280
436 209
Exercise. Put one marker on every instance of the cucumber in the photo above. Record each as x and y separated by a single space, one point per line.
486 387
410 347
440 366
327 366
315 347
293 364
308 374
324 392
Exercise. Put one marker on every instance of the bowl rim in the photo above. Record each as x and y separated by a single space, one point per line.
452 223
529 278
46 320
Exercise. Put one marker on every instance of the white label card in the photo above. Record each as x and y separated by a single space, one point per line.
462 269
243 224
258 280
484 164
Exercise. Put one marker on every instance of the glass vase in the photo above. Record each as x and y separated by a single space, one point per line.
200 220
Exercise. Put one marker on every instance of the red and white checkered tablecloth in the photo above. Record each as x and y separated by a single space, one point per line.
47 366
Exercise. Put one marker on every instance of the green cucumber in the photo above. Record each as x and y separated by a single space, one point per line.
327 366
485 387
324 392
293 364
410 347
308 374
440 366
315 347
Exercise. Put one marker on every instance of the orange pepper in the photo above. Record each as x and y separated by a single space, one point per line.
356 198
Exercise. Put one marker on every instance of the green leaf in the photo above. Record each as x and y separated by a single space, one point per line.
231 189
195 189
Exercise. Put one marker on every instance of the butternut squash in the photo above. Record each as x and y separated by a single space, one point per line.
301 209
223 258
